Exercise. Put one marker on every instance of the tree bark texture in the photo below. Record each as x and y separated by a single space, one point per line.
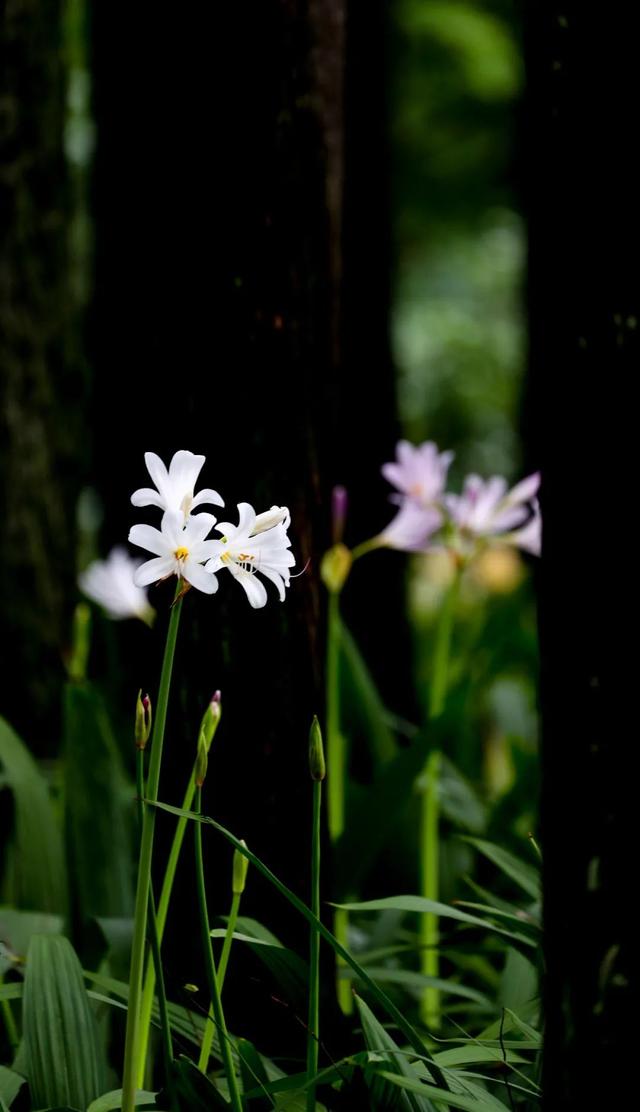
42 380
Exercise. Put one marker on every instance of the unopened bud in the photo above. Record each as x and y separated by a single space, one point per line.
240 868
80 643
211 718
143 720
335 567
202 760
317 766
339 504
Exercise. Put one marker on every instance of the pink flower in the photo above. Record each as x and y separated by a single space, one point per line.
419 474
486 508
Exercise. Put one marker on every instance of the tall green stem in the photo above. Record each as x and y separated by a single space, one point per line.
430 811
212 976
167 1048
207 1038
161 920
132 1037
313 1024
336 780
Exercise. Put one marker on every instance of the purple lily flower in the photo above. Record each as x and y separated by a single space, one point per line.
419 474
486 508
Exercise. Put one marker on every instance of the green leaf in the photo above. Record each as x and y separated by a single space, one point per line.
482 1101
112 1102
459 802
383 1000
253 1074
289 971
378 1040
194 1091
63 1060
10 1085
99 838
35 875
418 982
525 875
422 905
363 707
472 1054
17 928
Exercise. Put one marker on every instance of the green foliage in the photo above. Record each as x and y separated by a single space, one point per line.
64 1064
35 875
99 838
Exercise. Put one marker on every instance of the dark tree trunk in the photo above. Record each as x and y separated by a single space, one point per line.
41 378
585 330
221 325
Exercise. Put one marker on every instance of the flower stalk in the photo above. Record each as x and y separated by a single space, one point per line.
430 811
212 976
132 1037
317 769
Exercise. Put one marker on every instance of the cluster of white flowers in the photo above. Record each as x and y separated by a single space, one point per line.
182 546
485 512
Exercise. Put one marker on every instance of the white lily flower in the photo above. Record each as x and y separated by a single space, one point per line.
257 544
180 549
175 487
111 584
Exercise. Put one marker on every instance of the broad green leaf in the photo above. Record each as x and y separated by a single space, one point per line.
418 982
472 1054
98 808
63 1059
378 1040
34 876
459 802
112 1102
11 991
254 1075
10 1085
524 874
288 969
519 982
422 905
17 927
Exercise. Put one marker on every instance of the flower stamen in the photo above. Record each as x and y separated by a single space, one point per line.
181 553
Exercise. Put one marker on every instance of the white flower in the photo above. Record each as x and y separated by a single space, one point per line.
110 583
175 486
180 549
255 545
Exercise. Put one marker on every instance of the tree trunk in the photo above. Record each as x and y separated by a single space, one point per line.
585 321
42 382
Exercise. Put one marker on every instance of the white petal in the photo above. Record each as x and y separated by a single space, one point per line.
157 470
196 575
255 590
197 529
184 470
154 570
172 526
145 536
207 497
205 550
275 516
147 497
275 577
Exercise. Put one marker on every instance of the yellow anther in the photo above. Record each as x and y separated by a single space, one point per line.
181 553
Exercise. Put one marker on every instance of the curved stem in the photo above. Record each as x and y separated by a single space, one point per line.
132 1041
212 976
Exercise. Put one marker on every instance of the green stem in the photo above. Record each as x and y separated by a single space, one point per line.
430 812
336 778
9 1022
313 1025
207 1040
161 920
132 1037
165 1025
212 977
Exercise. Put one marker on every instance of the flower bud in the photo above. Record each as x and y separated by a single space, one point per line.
211 718
240 868
339 503
317 766
80 643
202 760
335 567
143 720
